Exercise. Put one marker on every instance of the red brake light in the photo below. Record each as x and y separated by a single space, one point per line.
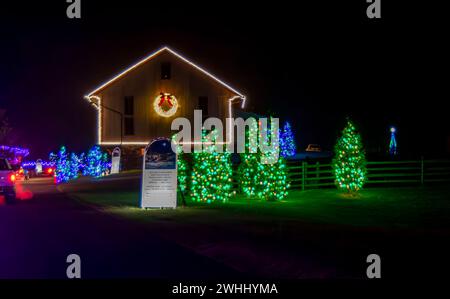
49 170
12 178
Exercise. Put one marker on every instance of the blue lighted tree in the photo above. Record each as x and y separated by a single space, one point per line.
82 164
287 141
62 166
52 157
74 166
95 165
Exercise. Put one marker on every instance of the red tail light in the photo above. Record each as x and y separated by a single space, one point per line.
12 178
50 170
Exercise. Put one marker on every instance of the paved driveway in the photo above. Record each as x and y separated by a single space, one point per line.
45 226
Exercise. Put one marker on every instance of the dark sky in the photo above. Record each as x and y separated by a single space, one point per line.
312 64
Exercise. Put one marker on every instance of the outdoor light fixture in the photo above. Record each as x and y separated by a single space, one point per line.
98 105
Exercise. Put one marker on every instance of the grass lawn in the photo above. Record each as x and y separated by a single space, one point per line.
416 208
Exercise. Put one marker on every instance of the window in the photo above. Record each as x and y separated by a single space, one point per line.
129 125
203 105
128 115
129 105
165 71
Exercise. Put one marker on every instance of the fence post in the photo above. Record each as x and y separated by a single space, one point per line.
303 175
422 170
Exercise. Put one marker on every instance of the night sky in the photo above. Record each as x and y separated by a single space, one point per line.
310 64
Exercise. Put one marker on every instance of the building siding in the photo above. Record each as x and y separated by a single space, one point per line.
144 84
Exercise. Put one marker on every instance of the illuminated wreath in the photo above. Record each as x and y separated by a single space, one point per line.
165 104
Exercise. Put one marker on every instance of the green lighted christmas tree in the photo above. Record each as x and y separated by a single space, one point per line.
182 172
349 163
264 181
211 173
182 167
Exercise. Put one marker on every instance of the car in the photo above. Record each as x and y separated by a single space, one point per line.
7 181
313 148
43 168
21 173
48 171
38 169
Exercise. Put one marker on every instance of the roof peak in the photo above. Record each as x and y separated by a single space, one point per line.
151 56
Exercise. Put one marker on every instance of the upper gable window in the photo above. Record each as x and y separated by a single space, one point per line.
129 105
203 105
166 71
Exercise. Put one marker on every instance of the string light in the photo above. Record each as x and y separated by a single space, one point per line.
15 150
93 94
211 173
74 166
69 167
149 57
32 164
14 154
263 181
82 164
62 166
96 162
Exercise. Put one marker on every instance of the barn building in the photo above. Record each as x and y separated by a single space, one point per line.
139 104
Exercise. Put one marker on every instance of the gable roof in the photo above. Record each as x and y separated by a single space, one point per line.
150 57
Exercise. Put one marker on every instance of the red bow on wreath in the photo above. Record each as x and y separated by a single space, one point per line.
164 98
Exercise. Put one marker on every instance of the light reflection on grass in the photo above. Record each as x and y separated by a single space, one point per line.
393 207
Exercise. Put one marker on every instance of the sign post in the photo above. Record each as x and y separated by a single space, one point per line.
115 160
159 175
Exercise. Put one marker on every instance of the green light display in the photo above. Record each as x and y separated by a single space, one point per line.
263 181
182 167
349 163
211 173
